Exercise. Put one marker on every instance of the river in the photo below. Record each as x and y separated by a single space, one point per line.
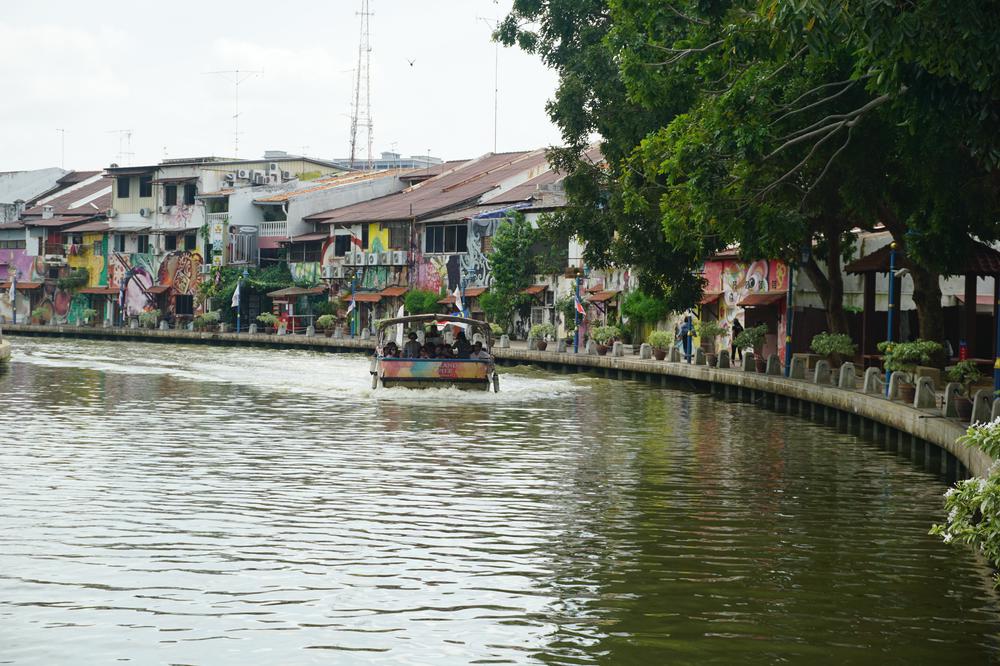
208 505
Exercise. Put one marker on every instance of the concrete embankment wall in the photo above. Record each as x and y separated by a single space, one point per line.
922 434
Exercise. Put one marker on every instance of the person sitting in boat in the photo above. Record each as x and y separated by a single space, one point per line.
443 351
462 346
425 352
480 354
391 350
412 348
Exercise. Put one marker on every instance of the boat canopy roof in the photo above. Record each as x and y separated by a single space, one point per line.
438 318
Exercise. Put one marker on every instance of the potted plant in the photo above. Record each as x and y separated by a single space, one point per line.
269 321
326 322
752 337
496 329
660 341
834 346
38 314
967 374
89 316
541 333
604 336
149 318
708 331
905 357
206 320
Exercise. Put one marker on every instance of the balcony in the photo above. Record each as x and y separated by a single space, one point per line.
273 229
216 217
56 249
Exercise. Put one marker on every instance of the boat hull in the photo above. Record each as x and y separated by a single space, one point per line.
467 374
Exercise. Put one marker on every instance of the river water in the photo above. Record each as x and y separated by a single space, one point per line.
204 505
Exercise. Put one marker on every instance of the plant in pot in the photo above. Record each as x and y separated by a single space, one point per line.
327 323
89 316
206 320
604 336
541 333
661 342
496 329
752 337
269 321
967 374
708 331
905 357
149 318
38 315
834 346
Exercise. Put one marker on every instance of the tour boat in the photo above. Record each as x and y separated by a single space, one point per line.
476 374
4 349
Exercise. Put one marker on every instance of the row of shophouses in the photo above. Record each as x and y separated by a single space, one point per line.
149 235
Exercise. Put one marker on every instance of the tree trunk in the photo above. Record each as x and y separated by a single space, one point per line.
830 285
927 298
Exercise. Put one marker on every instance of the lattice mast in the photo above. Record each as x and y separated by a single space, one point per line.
361 115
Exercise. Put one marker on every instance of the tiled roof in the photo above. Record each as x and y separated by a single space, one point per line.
602 296
762 299
89 195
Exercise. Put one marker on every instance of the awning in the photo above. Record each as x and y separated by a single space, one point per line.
57 221
535 289
762 299
177 180
270 242
290 292
22 286
447 300
366 297
89 226
306 238
392 292
710 297
602 296
99 291
130 227
158 289
472 292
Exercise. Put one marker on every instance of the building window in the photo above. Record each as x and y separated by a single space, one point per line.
190 192
119 243
143 244
341 245
170 243
76 239
190 242
365 237
446 239
123 183
170 195
399 237
306 252
145 186
98 247
184 304
13 245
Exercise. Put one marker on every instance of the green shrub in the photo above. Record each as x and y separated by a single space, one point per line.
496 329
39 313
710 328
326 321
89 314
965 373
660 340
268 319
419 301
906 356
830 344
207 319
542 331
751 337
149 318
602 335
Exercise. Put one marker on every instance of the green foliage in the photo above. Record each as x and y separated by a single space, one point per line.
710 328
512 268
89 314
602 335
906 356
268 319
566 307
830 344
496 329
39 313
207 319
660 340
544 331
643 308
326 321
751 337
77 279
419 301
149 318
965 373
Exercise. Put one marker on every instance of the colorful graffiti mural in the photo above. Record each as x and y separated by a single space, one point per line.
736 280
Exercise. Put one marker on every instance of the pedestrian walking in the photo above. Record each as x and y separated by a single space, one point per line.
736 330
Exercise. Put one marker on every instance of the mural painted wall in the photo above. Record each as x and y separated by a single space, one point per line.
180 270
738 279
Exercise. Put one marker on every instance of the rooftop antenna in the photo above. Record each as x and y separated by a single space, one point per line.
125 153
237 77
362 88
494 23
62 159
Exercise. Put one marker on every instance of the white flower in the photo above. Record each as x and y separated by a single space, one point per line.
982 485
947 537
952 514
951 491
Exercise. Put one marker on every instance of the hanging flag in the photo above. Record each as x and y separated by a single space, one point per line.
399 328
458 301
579 305
13 287
350 308
236 297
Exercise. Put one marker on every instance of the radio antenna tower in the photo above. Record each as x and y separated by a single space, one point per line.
363 89
237 77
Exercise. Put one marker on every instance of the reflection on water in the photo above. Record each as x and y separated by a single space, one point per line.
202 505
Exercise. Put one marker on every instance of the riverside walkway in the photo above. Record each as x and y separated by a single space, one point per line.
924 434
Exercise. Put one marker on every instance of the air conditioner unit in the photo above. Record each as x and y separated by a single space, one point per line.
165 210
399 258
371 259
112 212
338 272
242 173
349 259
258 179
286 175
385 259
327 272
229 177
145 212
272 167
274 177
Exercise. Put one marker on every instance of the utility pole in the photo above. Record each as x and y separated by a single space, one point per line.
237 77
62 148
363 88
493 25
125 153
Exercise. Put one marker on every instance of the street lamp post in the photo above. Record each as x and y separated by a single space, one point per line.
576 317
239 298
892 307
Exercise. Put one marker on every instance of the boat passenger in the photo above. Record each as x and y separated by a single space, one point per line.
412 348
480 354
462 346
391 350
425 353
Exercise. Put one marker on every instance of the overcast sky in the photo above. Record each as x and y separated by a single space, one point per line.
103 65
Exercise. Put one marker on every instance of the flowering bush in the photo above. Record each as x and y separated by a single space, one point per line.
973 505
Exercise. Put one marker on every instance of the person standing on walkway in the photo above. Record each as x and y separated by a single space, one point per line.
687 337
736 353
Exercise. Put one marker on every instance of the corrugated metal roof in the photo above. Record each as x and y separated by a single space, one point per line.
461 186
326 184
90 195
602 296
360 297
305 238
56 221
535 289
90 226
394 291
762 299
